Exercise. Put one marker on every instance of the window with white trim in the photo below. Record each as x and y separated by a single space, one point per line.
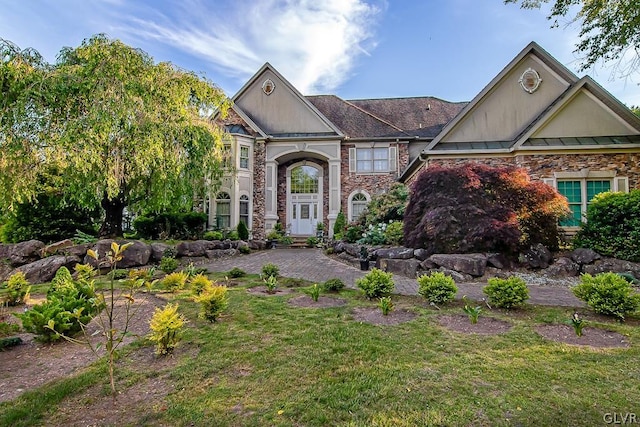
223 210
359 202
372 159
244 157
244 209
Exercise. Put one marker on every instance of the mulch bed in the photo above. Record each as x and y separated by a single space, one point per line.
592 337
485 325
374 316
306 301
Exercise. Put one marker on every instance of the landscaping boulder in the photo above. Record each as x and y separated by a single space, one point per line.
404 267
257 245
22 253
563 267
457 276
538 256
220 253
584 256
54 248
136 255
158 250
196 248
499 260
612 265
420 254
44 270
399 252
470 264
78 250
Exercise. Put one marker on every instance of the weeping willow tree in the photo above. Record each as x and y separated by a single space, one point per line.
122 130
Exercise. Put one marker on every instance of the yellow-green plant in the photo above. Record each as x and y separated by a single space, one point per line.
18 288
577 323
85 271
199 283
506 293
386 305
472 312
315 292
213 301
271 283
437 287
166 328
175 281
376 284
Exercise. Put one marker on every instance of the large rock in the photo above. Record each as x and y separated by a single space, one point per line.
499 260
221 253
612 265
196 248
584 256
471 264
78 250
404 267
22 253
56 247
257 245
421 254
399 252
158 250
538 256
136 255
563 267
45 269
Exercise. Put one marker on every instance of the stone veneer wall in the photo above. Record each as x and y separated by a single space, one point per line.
259 169
544 165
372 183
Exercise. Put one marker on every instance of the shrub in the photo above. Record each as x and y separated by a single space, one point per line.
270 283
18 289
168 264
166 326
243 231
376 284
612 227
353 233
213 235
388 206
244 249
175 281
506 293
232 235
437 287
394 232
235 273
608 294
314 292
374 235
198 283
312 241
269 270
213 301
333 285
170 225
86 271
477 208
339 225
386 305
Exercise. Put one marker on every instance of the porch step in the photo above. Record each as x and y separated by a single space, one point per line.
298 242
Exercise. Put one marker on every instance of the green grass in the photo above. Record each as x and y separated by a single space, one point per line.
269 363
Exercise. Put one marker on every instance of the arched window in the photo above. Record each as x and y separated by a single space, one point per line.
223 210
304 180
359 202
244 209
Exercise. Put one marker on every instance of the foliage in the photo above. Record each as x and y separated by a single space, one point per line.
394 233
608 294
577 323
376 284
353 233
374 234
175 281
612 227
386 305
437 287
70 305
213 235
609 29
243 231
236 272
333 285
312 241
85 271
191 270
244 249
269 270
122 130
471 311
166 326
477 208
80 237
199 283
314 292
213 302
386 207
168 264
118 274
340 225
170 225
270 283
18 289
506 293
232 235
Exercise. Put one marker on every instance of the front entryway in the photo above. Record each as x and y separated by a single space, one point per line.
304 198
304 217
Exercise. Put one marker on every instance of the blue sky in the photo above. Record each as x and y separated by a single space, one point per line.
355 49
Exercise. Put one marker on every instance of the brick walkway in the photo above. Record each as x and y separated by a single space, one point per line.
315 266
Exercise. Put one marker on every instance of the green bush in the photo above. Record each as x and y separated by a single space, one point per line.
170 225
312 241
244 250
612 226
175 281
235 273
213 235
168 264
353 233
376 284
608 294
213 301
199 283
18 289
166 327
437 287
333 285
506 293
243 231
339 225
232 235
394 232
269 270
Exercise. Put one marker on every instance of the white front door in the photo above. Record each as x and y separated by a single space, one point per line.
304 217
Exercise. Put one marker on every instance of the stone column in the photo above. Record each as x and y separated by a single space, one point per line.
271 194
334 193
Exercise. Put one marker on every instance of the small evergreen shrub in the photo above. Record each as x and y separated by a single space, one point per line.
199 283
376 284
166 328
236 272
339 225
269 270
175 281
244 249
213 301
437 287
213 235
18 289
232 235
168 264
394 232
608 294
333 285
243 231
506 293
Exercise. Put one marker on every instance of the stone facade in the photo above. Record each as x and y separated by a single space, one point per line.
259 168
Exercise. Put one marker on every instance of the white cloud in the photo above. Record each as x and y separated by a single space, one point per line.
313 44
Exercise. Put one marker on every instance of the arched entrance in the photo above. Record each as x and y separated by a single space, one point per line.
304 197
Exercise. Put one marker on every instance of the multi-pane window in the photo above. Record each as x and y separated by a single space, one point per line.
372 159
304 180
579 194
244 210
358 205
223 210
244 157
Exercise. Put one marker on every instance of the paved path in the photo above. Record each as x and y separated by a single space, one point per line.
314 265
